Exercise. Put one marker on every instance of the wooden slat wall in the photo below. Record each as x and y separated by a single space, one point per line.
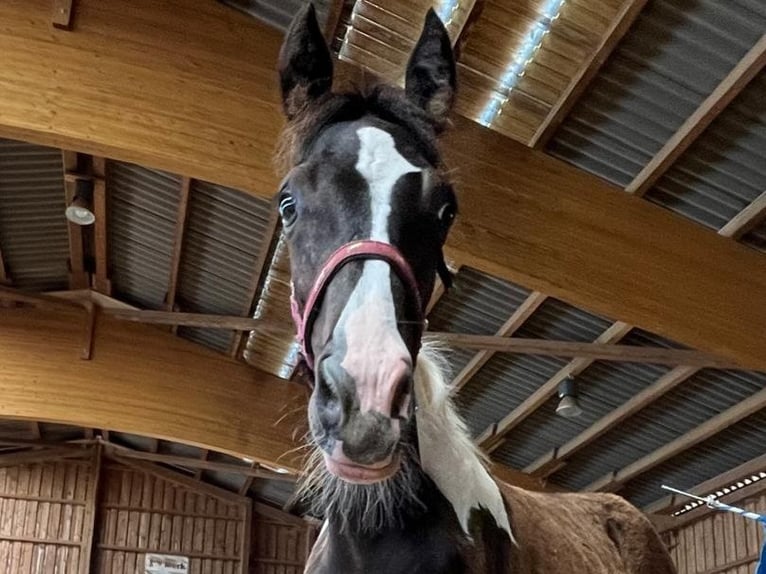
141 512
281 542
43 516
720 543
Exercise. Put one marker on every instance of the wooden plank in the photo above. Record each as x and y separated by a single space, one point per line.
550 462
747 219
512 190
178 241
246 539
589 67
101 281
702 432
144 381
62 14
513 324
745 70
492 438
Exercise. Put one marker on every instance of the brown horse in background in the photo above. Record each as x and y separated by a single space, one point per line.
366 207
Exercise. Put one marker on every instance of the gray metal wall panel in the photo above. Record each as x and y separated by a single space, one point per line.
33 229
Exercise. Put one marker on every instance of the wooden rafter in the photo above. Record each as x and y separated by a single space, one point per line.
245 488
551 462
589 67
673 502
35 455
258 277
747 219
709 428
203 458
513 324
100 237
178 241
747 68
78 276
602 349
493 436
469 12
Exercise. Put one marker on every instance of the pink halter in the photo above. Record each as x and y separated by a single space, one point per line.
363 249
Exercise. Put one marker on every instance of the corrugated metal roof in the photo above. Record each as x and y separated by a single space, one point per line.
478 304
506 380
731 447
725 169
225 232
704 395
668 63
279 13
142 212
602 388
33 230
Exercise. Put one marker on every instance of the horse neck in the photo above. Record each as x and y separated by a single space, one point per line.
447 453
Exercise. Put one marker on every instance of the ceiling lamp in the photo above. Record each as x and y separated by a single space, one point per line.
80 209
568 407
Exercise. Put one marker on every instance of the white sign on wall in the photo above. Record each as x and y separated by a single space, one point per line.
166 564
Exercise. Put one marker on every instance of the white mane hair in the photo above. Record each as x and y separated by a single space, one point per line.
445 453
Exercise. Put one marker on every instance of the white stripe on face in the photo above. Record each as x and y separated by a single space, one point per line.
374 348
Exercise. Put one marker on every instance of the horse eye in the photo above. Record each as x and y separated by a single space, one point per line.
446 213
287 210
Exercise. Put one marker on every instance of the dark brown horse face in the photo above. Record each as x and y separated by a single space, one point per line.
364 167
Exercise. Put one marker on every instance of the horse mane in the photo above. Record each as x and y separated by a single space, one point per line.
383 101
447 456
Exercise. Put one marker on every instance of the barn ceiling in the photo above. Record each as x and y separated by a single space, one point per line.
667 100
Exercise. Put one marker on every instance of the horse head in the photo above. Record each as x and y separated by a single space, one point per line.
366 207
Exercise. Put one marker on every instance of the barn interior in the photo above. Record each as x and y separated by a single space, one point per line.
605 325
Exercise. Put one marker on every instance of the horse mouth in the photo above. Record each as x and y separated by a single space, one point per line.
363 474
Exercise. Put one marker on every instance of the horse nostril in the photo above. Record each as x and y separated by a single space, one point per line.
400 405
328 400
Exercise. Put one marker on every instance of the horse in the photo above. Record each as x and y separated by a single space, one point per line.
366 205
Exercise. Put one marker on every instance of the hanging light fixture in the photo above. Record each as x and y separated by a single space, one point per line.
569 406
80 209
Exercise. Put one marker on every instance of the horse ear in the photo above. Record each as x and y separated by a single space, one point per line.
430 79
305 64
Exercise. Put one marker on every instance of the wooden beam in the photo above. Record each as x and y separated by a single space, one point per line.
203 457
198 463
178 242
101 281
144 381
245 488
747 219
601 350
589 67
258 277
514 322
747 68
674 502
549 463
493 437
78 277
515 196
62 14
41 455
692 438
4 276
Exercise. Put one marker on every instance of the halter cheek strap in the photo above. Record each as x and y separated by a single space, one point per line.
364 249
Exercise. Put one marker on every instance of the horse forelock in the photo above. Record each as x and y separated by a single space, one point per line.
383 101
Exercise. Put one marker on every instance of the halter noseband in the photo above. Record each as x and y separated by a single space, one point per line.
364 249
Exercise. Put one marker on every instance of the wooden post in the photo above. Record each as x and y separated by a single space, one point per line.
90 514
247 542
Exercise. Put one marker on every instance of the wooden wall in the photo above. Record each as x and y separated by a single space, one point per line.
281 542
719 543
45 511
142 512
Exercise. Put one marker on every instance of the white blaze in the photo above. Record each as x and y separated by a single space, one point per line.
368 321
